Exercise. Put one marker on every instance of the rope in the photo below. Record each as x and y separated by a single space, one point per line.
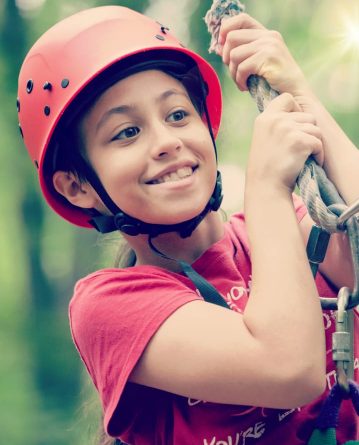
320 196
312 180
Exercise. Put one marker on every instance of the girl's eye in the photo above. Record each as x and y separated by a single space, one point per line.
177 116
127 133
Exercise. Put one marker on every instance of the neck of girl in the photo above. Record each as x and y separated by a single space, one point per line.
209 231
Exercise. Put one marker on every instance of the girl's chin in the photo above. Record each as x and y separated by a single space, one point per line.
169 212
175 217
172 220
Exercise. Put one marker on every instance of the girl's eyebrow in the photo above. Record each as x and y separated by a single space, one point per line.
171 92
124 109
121 109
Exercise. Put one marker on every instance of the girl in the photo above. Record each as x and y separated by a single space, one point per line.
120 120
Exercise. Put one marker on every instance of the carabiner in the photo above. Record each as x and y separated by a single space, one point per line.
342 344
347 214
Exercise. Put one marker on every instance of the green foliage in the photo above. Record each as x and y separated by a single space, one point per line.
42 384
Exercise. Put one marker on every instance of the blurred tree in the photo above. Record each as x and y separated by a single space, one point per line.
43 325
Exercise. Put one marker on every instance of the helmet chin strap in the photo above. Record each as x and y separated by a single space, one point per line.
119 220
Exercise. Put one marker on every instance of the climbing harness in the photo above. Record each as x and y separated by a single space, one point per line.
327 421
330 214
209 293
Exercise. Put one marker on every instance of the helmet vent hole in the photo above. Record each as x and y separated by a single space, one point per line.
36 164
164 28
29 86
18 105
21 133
47 110
159 37
65 83
47 86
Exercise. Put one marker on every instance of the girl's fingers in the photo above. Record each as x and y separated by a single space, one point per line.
241 72
257 50
241 37
310 129
302 117
240 21
237 54
310 133
238 38
284 102
314 135
316 146
313 132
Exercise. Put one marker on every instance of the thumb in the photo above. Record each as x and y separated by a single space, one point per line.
284 102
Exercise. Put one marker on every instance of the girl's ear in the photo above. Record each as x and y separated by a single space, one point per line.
78 193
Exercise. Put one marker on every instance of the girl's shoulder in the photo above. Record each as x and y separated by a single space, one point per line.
136 287
117 274
105 282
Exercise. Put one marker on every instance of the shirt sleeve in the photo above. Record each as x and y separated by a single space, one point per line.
113 315
299 206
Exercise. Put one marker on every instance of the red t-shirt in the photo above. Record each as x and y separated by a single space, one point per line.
115 312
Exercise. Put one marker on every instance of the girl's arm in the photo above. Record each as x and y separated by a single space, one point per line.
274 354
249 48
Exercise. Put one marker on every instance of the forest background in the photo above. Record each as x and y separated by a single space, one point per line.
45 395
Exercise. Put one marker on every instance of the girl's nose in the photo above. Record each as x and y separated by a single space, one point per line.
164 142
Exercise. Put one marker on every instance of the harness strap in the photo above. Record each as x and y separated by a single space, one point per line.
208 292
327 421
206 289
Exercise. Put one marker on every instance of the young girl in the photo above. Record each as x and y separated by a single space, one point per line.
214 334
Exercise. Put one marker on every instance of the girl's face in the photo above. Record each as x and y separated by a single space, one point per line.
150 148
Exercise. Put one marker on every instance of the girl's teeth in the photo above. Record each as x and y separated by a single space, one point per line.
166 178
181 173
184 171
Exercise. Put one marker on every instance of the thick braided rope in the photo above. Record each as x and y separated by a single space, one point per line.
309 180
316 190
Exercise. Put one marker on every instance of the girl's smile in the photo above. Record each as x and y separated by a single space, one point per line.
151 149
175 173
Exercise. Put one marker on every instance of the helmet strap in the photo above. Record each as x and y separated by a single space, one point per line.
133 226
206 289
204 87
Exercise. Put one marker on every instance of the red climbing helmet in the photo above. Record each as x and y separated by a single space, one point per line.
68 57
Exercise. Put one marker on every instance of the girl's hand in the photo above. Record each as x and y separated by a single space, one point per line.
247 47
283 138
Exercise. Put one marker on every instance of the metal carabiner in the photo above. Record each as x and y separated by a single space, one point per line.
352 225
348 221
342 341
347 214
